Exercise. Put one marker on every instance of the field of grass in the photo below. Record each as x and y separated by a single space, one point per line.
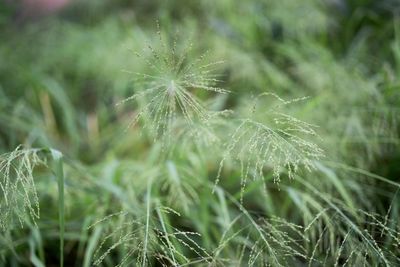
200 133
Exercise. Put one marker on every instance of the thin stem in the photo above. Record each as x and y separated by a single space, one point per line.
59 171
148 198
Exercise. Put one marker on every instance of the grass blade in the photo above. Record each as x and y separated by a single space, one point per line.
59 171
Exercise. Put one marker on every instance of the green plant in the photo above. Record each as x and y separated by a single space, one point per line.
278 144
167 90
19 194
183 172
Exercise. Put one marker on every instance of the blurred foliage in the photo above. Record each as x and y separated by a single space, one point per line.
62 75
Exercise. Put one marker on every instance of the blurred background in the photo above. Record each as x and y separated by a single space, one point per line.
62 61
62 73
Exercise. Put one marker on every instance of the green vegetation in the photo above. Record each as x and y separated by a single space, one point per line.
207 133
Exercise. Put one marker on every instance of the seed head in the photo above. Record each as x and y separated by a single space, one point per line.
169 91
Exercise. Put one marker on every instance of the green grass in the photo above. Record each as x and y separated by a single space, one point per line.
215 133
59 172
